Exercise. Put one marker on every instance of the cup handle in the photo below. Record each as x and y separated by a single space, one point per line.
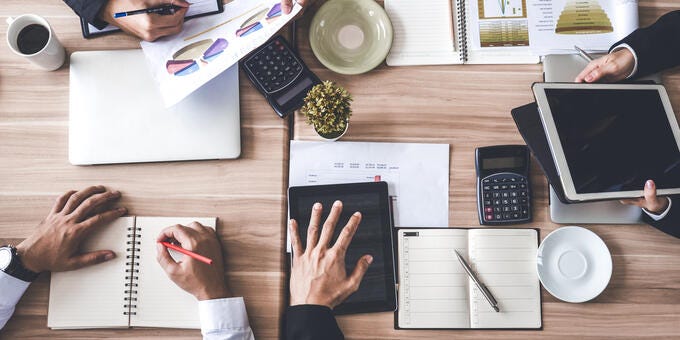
9 20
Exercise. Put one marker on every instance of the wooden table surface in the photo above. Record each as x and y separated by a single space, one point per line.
464 106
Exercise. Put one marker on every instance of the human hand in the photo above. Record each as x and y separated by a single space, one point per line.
204 281
611 68
55 245
147 27
287 5
652 203
318 274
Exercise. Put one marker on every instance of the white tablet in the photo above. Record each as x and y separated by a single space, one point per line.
608 139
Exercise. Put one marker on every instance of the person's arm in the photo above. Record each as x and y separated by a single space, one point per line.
659 211
657 47
89 10
318 279
643 52
149 27
55 244
222 316
12 289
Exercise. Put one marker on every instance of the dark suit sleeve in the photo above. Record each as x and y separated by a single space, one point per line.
311 322
670 224
658 46
89 10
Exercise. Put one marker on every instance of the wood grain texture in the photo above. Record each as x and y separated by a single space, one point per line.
464 106
468 106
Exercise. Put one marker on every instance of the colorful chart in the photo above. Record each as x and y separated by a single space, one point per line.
242 32
496 9
252 24
274 13
583 17
186 60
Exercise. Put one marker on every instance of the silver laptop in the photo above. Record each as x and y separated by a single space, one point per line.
565 68
116 114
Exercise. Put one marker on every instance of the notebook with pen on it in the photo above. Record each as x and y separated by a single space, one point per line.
441 32
132 290
435 292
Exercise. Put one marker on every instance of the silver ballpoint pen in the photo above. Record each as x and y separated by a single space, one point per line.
583 54
482 287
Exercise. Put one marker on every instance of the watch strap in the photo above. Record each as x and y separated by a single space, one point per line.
16 267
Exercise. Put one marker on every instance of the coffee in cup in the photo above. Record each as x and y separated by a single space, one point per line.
32 37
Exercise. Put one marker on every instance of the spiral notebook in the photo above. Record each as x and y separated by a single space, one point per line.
440 32
131 290
435 291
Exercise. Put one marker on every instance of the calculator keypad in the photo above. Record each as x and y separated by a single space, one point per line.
505 198
274 66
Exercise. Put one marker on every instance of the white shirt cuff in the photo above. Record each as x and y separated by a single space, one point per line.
657 217
635 67
12 290
224 319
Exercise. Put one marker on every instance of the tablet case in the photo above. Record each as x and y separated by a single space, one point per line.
530 126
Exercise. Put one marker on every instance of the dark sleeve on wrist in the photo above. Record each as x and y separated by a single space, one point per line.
670 224
658 46
89 10
311 322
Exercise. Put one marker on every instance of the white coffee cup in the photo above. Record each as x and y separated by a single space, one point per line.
51 56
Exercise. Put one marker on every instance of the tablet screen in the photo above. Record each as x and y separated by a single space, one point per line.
614 140
376 292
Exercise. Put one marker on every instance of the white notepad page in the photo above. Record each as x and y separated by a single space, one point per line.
435 291
424 33
93 297
160 302
505 261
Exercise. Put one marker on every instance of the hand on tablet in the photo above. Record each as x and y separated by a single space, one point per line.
318 276
610 68
651 202
147 27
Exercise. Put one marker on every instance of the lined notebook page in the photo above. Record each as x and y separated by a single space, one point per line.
160 302
93 297
433 288
423 32
505 261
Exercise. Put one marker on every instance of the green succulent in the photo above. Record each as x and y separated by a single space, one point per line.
327 108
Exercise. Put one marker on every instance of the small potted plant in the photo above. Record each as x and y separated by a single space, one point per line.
327 108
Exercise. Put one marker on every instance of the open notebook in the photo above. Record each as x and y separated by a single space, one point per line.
435 291
131 290
437 32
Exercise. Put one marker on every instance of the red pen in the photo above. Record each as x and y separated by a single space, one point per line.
187 252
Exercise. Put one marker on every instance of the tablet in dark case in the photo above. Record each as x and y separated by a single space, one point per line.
374 236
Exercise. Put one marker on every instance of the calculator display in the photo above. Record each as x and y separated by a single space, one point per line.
291 93
502 163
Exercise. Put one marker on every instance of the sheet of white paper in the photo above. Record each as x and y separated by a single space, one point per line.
417 175
242 27
555 26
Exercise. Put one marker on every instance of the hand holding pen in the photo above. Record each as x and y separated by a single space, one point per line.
613 67
146 19
202 280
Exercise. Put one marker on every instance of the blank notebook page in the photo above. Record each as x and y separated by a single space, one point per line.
93 297
505 261
423 32
433 289
160 302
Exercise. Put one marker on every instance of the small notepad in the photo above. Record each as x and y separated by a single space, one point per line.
435 292
131 290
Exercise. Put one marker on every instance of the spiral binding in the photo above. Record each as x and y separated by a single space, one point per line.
131 271
461 28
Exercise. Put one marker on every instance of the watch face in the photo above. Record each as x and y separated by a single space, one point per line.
5 258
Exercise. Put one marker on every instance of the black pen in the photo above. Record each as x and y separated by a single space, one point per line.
162 10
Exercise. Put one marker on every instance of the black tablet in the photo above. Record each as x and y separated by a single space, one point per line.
374 236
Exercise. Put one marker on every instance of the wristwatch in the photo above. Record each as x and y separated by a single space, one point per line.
10 263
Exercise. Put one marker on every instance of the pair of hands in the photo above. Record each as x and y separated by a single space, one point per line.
55 245
153 26
614 67
318 275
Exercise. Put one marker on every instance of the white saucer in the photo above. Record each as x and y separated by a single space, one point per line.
574 264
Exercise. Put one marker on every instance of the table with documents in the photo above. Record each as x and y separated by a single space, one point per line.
462 106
